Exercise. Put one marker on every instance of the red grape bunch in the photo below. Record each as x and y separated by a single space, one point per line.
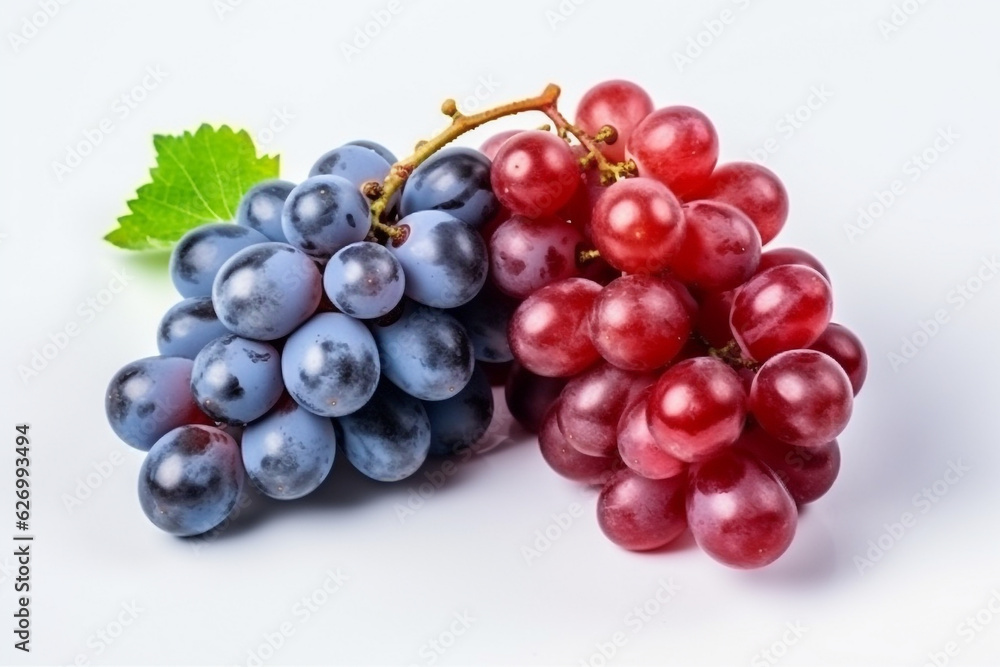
660 351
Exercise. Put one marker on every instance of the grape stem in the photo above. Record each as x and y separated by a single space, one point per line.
460 124
733 356
610 171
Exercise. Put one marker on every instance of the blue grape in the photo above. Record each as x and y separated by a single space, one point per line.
426 353
289 452
388 439
266 291
191 480
150 397
382 151
198 256
455 180
460 421
444 259
485 318
357 164
331 365
236 380
325 213
187 327
260 208
364 280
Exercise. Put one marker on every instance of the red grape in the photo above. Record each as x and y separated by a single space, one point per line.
677 146
746 377
807 473
784 308
721 247
781 256
641 514
526 255
697 407
738 510
713 317
802 397
549 333
620 104
580 209
535 174
493 144
567 460
529 396
687 299
592 404
753 189
488 229
638 226
637 447
640 322
846 349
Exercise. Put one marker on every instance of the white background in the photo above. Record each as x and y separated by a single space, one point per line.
887 97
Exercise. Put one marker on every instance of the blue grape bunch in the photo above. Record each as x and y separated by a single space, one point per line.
301 332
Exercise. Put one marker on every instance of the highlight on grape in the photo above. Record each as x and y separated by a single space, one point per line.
608 271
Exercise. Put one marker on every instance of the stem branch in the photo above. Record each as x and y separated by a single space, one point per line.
732 355
460 124
610 171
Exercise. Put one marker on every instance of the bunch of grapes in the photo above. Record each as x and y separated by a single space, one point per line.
302 328
696 377
617 283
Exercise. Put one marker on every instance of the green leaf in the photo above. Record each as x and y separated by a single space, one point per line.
198 178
